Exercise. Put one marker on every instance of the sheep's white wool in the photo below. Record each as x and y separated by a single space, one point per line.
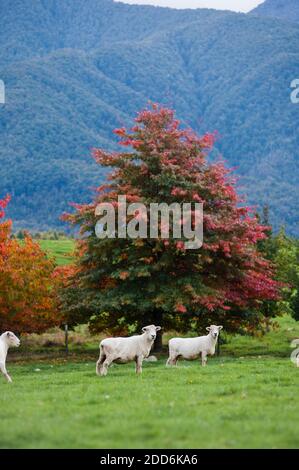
191 348
123 350
150 359
7 340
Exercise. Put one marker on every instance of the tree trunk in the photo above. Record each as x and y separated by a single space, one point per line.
66 338
157 320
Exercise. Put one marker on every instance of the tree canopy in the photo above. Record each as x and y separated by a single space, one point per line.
28 283
121 284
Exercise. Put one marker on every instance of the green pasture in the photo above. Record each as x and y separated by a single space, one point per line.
61 250
232 403
245 398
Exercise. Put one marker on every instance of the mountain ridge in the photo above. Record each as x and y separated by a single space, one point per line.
65 97
283 9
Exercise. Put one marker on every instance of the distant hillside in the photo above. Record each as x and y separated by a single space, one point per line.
284 9
75 69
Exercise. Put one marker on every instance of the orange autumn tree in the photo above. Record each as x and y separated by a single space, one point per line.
28 283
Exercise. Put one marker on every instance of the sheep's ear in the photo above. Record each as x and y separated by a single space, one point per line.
158 328
220 327
144 329
208 328
8 334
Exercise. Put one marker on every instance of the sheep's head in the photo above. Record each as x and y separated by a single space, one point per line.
214 330
151 331
11 339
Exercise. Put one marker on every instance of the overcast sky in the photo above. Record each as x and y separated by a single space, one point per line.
236 5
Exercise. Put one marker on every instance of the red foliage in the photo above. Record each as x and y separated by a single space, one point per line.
168 164
28 288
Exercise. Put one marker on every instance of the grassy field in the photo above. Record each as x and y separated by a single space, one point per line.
232 403
246 398
61 250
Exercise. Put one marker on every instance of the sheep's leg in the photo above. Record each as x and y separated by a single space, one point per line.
100 362
172 360
138 361
5 373
169 362
204 358
99 367
108 361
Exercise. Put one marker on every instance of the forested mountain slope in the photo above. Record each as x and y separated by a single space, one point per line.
75 69
284 9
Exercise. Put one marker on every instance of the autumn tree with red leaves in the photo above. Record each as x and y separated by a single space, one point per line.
28 283
122 284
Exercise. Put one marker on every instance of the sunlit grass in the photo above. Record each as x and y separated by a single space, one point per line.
61 250
232 403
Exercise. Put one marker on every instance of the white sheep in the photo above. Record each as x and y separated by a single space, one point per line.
295 353
191 348
7 340
123 350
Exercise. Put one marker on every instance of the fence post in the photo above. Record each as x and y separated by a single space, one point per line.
218 345
66 336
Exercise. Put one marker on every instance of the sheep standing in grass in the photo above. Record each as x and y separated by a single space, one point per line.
295 353
7 340
191 348
123 350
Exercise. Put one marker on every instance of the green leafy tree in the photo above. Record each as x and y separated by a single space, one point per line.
283 252
122 284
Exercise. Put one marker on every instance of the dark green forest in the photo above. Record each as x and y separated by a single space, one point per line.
284 9
76 69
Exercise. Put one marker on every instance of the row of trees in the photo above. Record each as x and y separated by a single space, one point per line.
49 235
121 284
